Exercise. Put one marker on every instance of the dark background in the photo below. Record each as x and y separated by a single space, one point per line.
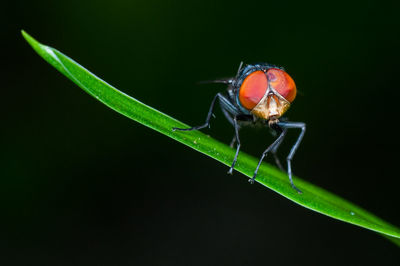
83 185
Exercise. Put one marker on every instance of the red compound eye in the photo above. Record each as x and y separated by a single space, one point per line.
282 83
253 89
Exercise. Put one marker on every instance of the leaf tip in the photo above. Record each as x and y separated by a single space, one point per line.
32 42
37 46
26 36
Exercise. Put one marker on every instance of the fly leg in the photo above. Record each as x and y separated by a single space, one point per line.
235 124
302 126
230 119
275 149
234 116
233 141
277 141
210 113
231 112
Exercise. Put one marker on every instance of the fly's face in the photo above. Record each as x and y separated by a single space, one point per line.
266 92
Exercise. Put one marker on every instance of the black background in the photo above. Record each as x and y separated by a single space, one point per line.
83 185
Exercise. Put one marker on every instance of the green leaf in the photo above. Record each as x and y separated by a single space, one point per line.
313 197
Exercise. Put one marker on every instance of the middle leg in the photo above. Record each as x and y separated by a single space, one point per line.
235 124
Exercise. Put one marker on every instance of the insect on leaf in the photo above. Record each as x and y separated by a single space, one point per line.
313 197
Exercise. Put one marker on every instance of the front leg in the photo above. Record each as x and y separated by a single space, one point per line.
274 152
207 123
277 141
301 126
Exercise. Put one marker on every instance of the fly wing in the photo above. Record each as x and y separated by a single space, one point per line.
223 80
220 81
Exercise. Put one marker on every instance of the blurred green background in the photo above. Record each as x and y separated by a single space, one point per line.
83 185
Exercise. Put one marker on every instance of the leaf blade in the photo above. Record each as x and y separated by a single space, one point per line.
313 197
